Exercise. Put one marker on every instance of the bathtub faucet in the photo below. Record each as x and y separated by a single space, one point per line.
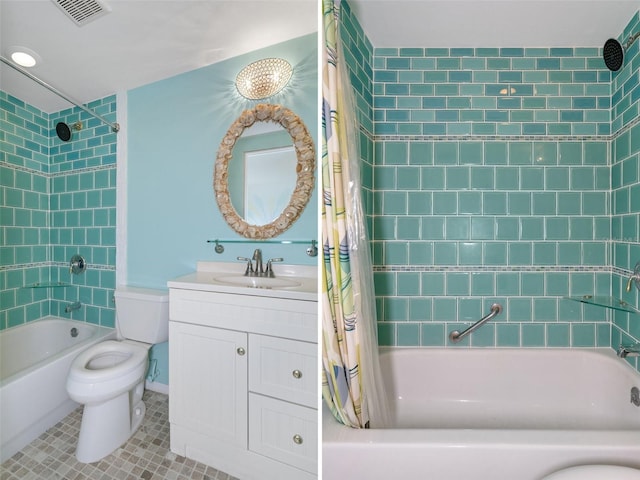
72 306
625 351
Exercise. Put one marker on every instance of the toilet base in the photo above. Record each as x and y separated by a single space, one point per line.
106 426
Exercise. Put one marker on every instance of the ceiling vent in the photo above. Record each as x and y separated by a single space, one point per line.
82 11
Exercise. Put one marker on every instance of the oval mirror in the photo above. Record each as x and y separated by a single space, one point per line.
264 171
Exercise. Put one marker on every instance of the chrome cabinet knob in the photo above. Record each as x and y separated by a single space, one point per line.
240 351
297 374
297 439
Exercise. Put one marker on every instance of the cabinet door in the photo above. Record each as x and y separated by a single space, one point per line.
208 381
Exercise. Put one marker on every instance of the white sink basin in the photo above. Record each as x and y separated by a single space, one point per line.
256 282
295 282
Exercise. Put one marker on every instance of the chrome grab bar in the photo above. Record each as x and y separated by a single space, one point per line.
456 335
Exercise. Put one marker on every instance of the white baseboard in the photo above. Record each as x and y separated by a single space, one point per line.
157 387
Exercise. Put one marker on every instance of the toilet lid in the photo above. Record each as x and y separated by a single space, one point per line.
133 356
596 472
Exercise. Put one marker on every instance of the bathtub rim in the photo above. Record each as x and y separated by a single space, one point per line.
335 434
446 448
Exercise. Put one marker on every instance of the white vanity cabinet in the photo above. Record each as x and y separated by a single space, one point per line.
243 381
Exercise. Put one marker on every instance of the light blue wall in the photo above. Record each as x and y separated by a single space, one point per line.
498 175
175 127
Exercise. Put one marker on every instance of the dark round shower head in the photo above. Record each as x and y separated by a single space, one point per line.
613 54
63 131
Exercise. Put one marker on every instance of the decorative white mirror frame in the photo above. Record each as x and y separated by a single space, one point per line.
305 152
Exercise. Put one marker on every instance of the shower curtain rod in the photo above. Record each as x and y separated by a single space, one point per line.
114 126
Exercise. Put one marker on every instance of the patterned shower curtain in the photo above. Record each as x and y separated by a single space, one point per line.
342 386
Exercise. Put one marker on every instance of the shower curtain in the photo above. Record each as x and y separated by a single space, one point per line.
351 381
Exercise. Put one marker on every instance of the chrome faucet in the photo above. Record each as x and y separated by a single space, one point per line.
252 271
257 270
634 278
72 306
257 257
625 351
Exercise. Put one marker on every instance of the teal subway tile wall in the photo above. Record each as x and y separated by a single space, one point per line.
505 175
58 199
358 56
625 185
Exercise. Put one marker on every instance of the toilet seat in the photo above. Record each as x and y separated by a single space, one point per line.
87 367
106 370
595 472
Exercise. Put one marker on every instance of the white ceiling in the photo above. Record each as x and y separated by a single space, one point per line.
141 41
493 23
138 42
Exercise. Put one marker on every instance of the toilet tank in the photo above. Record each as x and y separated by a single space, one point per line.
142 314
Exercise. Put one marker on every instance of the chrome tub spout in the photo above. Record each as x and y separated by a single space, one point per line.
72 306
625 351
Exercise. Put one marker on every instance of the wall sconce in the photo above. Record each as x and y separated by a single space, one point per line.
263 78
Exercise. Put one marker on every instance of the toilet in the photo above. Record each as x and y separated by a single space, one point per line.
595 472
108 378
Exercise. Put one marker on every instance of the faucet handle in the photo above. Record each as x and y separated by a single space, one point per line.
249 265
269 270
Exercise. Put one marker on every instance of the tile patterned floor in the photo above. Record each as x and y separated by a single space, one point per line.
145 456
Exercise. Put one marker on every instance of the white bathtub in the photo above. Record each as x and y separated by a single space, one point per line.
34 362
493 414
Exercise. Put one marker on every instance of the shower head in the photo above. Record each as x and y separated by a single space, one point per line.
64 131
613 52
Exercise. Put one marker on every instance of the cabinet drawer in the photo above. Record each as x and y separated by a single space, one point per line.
282 368
284 431
294 319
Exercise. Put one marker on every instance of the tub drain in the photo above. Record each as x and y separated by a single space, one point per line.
635 396
74 333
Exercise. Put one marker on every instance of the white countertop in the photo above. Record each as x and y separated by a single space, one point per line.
208 274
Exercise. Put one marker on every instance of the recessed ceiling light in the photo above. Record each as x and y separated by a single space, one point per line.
23 56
